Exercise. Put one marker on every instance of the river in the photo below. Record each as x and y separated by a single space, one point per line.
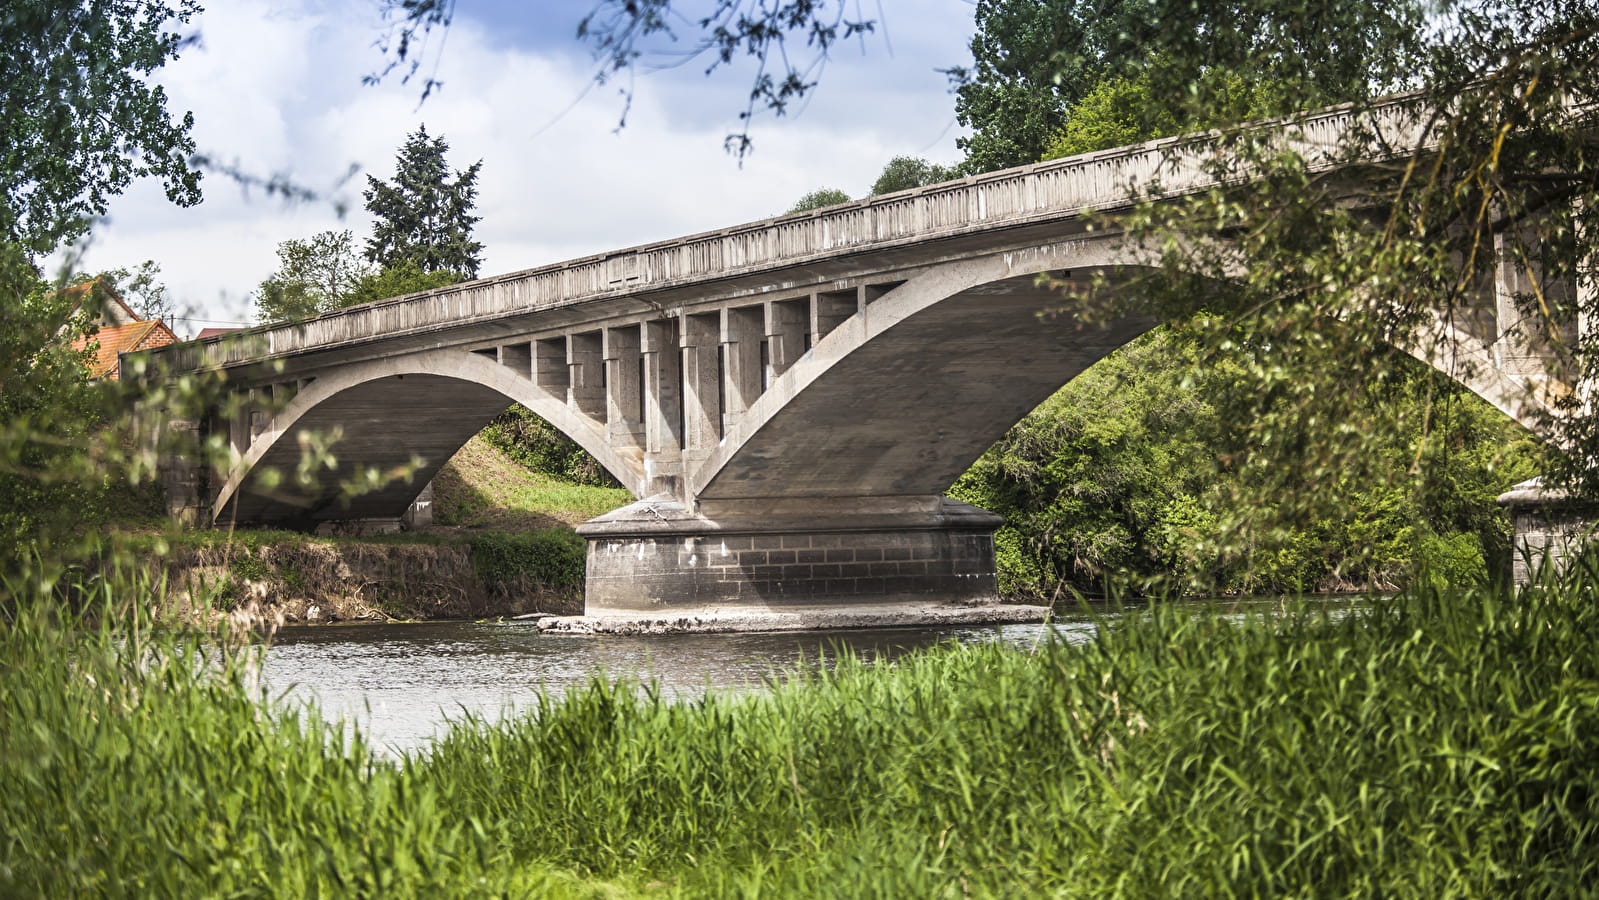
402 683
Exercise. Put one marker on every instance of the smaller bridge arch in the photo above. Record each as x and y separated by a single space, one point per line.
383 414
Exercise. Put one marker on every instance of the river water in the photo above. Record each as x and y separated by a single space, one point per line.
401 684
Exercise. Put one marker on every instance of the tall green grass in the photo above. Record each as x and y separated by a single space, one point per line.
1435 744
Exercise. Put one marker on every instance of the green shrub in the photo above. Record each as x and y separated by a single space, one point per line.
537 444
1434 744
137 763
553 558
249 566
1129 473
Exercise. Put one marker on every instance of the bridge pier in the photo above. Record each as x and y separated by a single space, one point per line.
795 563
1548 529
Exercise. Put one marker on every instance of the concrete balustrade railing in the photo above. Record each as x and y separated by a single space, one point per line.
1055 190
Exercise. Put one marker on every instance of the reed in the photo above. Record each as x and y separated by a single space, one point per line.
1436 743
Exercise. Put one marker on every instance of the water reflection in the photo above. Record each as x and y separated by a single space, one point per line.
401 683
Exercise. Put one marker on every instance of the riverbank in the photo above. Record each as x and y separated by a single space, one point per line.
254 578
502 546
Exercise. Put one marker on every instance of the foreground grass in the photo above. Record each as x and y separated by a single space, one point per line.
1433 745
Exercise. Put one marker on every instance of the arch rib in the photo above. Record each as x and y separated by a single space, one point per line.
459 364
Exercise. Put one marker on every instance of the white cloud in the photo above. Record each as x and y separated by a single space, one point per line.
279 90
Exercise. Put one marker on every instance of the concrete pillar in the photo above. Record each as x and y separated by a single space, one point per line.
518 358
236 424
246 416
1548 530
831 309
663 408
182 468
1522 344
787 329
702 385
624 396
550 371
420 512
259 412
585 385
743 332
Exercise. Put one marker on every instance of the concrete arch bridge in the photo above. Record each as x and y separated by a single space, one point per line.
787 399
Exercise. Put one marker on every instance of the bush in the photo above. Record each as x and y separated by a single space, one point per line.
552 558
1131 474
537 444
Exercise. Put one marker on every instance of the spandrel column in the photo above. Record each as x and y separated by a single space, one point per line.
787 327
663 408
702 385
550 371
742 333
585 391
1519 296
624 396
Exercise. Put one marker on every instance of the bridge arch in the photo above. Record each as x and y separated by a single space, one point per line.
903 398
854 416
382 413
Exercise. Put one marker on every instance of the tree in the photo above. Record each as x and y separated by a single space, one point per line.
1387 239
56 459
1116 112
313 276
1034 61
424 219
138 287
79 118
818 199
905 172
1506 167
141 289
1134 473
396 280
1123 109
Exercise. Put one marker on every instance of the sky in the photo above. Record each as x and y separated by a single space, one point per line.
276 88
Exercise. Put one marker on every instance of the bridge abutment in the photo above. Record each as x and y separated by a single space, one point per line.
841 562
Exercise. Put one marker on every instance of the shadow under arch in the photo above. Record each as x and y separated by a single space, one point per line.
385 413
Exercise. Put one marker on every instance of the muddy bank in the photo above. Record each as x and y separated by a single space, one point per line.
310 581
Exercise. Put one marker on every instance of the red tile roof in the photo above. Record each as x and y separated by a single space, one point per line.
117 339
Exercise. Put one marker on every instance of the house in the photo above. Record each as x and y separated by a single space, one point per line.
121 331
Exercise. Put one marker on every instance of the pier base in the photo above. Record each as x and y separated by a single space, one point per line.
812 560
1548 529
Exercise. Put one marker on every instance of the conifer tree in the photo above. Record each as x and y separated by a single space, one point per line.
424 219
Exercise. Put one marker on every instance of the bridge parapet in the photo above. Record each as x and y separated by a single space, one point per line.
1052 191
